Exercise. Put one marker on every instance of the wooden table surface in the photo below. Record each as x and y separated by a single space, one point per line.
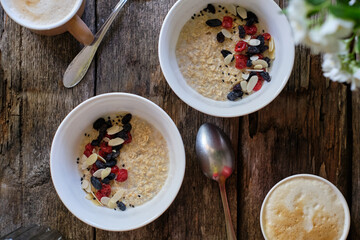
311 127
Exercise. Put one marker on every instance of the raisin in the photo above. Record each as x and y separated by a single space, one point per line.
122 134
263 48
214 23
261 39
267 60
211 8
265 76
232 96
98 123
220 37
121 205
242 32
95 142
111 176
110 163
127 127
253 50
126 118
250 75
118 147
105 181
251 18
96 183
237 87
249 63
99 164
225 53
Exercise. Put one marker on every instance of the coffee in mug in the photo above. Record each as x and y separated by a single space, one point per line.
304 207
42 12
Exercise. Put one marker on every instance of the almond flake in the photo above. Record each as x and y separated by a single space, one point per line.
98 172
228 59
105 173
226 33
263 63
96 198
114 129
105 139
242 12
253 70
271 44
251 84
231 8
105 200
101 158
259 66
247 38
243 85
91 159
272 55
88 196
115 198
245 76
254 42
115 142
84 184
88 189
254 57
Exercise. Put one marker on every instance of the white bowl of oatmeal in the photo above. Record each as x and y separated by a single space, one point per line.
206 77
154 160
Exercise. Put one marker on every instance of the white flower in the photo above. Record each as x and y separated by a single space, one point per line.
356 80
352 2
296 12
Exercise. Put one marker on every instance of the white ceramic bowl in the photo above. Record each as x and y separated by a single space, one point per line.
333 187
66 176
277 25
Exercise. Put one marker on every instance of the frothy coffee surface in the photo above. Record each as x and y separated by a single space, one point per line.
303 208
42 12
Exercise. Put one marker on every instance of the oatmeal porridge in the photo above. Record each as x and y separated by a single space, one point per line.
224 52
124 161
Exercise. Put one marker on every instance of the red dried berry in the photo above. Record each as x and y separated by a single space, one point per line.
267 36
115 169
104 149
258 84
260 56
88 149
105 191
87 153
227 22
241 61
240 46
129 138
250 30
122 175
93 169
108 136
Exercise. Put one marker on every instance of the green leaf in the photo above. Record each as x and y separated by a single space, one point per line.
316 2
345 12
357 47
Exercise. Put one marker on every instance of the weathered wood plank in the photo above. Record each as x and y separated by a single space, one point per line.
132 45
355 200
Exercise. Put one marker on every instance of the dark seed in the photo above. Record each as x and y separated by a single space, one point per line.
110 163
232 96
242 32
121 205
99 164
225 53
249 63
127 127
98 123
126 118
220 37
211 8
96 183
265 76
213 23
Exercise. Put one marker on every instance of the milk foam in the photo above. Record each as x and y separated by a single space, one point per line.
42 12
303 208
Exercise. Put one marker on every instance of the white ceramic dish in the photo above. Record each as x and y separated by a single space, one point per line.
336 190
66 176
268 13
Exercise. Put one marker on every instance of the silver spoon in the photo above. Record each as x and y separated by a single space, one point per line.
216 157
81 63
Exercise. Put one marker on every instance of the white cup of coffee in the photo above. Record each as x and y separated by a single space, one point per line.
304 206
50 17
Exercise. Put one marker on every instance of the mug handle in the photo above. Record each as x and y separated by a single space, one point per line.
79 30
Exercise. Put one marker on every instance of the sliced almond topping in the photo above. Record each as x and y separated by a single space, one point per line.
96 198
251 84
263 63
98 172
271 44
231 8
253 70
88 189
105 139
226 33
115 198
242 12
91 159
243 85
259 66
245 76
115 142
272 55
114 129
105 200
247 38
254 57
105 172
101 159
84 184
254 42
88 196
228 58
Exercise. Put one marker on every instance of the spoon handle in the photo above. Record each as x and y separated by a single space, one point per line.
229 226
81 63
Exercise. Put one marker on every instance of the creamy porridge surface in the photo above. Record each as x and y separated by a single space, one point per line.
145 158
200 58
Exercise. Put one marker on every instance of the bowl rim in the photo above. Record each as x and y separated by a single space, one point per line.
332 186
176 134
233 111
